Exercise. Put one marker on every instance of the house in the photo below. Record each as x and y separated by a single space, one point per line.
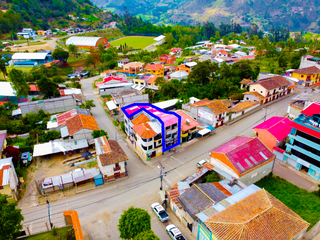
220 53
7 94
113 24
242 107
196 199
176 50
240 54
187 67
208 112
88 42
167 59
31 59
258 215
40 32
133 67
8 179
179 75
59 120
245 83
141 81
151 130
111 159
113 84
254 96
188 126
151 83
154 69
3 141
70 92
52 105
79 127
60 146
309 75
271 88
303 148
273 132
244 158
168 105
123 62
309 61
302 101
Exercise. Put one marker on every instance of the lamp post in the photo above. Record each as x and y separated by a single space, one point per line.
49 214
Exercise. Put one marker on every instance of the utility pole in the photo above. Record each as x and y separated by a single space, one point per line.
161 175
265 114
49 214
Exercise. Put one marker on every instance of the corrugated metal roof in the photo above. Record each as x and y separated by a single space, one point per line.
83 41
29 56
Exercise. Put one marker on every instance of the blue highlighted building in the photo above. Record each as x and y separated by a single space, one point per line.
151 130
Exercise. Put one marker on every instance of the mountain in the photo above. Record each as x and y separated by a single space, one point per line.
297 14
43 14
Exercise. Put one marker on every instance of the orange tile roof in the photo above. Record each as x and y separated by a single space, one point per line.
256 94
216 106
226 102
134 64
154 67
272 82
308 70
142 118
241 106
184 117
144 130
222 189
81 121
152 79
116 154
259 216
246 81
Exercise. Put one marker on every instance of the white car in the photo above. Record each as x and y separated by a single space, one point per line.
202 162
174 232
77 170
161 213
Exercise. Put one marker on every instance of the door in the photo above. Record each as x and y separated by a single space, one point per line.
117 175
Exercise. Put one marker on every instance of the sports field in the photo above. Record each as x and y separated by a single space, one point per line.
136 42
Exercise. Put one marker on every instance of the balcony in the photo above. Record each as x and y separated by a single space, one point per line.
158 137
116 168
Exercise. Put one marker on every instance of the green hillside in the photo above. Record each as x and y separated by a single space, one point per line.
297 14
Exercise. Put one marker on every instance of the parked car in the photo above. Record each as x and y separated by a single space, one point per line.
77 170
202 162
161 213
174 232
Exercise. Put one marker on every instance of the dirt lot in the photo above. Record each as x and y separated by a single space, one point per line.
32 48
43 168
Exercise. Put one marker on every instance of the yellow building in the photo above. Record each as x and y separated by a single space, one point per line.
8 179
40 32
154 69
3 141
308 76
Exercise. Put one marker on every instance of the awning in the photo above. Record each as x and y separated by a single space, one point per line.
111 105
211 128
204 131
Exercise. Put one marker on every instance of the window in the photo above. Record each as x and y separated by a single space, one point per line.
301 75
261 91
1 187
168 128
247 98
174 125
150 147
144 148
136 83
253 89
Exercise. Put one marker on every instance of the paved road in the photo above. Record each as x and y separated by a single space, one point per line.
100 209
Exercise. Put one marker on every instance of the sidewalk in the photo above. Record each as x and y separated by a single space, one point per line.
294 176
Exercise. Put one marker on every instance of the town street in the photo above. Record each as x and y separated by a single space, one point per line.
100 209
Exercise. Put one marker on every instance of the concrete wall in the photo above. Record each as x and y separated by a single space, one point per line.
60 105
108 172
259 89
109 91
260 172
83 133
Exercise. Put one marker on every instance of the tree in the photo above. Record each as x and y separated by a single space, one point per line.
60 54
11 218
58 80
101 49
48 136
106 57
47 87
19 82
3 67
134 221
159 81
89 61
73 50
13 152
225 40
147 59
201 72
217 36
282 61
88 105
146 235
99 133
212 177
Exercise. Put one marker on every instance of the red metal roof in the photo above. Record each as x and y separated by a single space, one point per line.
244 153
34 88
63 117
279 127
306 130
184 117
312 109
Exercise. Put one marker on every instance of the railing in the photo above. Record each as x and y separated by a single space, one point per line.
116 168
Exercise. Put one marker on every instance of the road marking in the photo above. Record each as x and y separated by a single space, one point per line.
175 170
177 159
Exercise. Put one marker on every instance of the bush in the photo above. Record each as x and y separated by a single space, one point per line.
54 231
70 235
212 177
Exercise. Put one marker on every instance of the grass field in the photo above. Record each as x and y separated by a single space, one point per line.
136 42
109 34
61 232
302 202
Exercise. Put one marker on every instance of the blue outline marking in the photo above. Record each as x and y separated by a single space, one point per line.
164 149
